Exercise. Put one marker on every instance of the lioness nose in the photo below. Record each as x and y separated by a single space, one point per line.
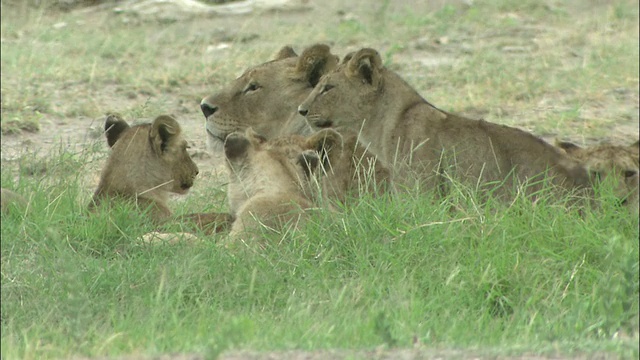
302 111
207 109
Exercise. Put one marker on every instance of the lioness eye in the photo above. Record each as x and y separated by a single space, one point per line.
326 88
252 87
630 173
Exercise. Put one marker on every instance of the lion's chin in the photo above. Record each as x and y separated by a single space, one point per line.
214 143
213 136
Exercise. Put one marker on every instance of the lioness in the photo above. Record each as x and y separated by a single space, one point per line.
268 186
617 163
147 162
266 96
407 132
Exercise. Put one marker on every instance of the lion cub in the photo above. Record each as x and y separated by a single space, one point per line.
147 162
269 182
617 163
349 169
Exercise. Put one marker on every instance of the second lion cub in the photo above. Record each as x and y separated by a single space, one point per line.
269 185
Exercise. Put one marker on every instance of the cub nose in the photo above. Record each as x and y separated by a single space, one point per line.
207 109
302 111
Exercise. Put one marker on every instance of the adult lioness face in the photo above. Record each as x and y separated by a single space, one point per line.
266 96
345 97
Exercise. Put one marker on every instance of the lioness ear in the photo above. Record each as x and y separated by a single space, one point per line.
569 147
316 61
285 53
114 126
366 64
163 129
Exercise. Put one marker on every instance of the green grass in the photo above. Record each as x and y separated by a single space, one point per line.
506 279
517 278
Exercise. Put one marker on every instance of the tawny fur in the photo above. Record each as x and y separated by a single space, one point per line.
421 142
147 162
268 185
609 162
266 96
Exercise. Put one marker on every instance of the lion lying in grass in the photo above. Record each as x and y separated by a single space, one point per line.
421 141
618 164
147 162
274 183
269 184
265 98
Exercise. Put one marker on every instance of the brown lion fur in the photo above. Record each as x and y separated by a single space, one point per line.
421 141
609 162
265 97
146 163
349 169
269 184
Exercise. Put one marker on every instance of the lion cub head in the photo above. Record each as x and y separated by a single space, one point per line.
147 162
349 169
616 163
266 96
269 182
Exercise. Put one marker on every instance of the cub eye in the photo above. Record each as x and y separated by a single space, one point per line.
630 173
326 88
251 87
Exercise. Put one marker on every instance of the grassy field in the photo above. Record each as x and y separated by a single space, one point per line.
393 273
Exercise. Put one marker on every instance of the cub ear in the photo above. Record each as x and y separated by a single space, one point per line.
309 161
285 53
366 64
325 142
236 145
316 61
163 129
114 126
347 57
569 147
